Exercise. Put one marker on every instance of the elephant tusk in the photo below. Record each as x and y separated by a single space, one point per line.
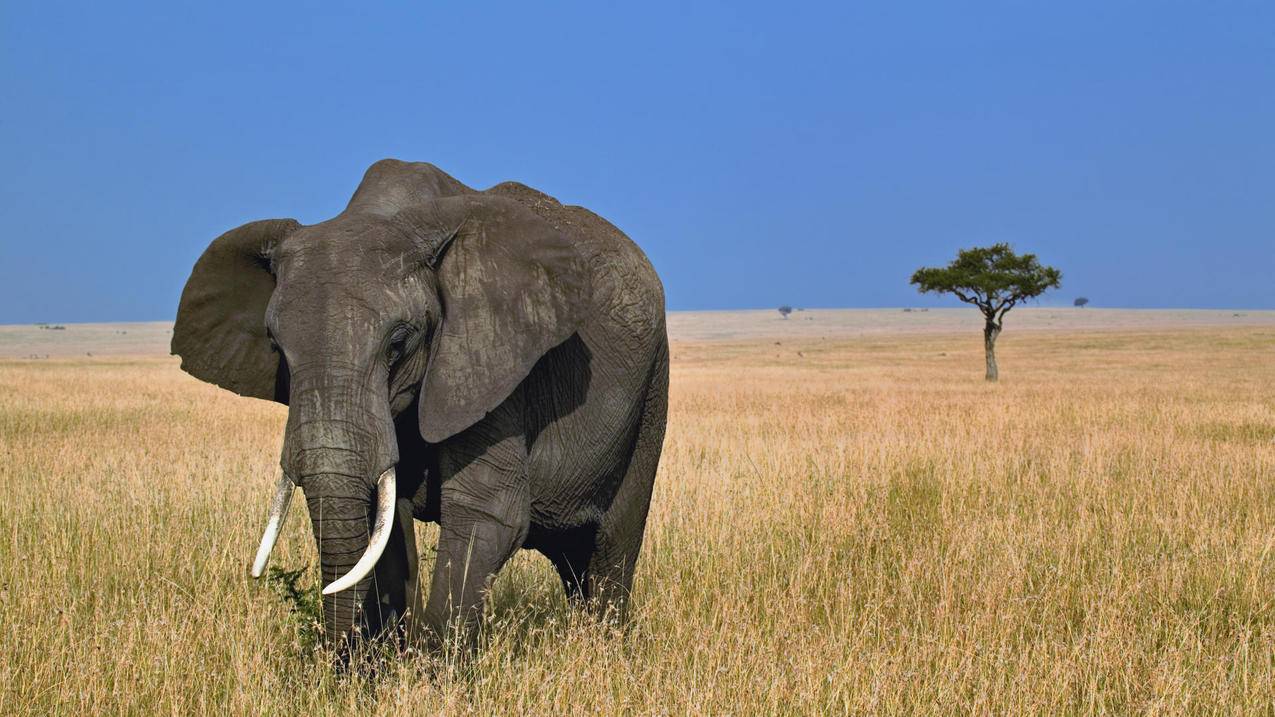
386 495
278 513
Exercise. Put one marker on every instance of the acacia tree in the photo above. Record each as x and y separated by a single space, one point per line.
994 279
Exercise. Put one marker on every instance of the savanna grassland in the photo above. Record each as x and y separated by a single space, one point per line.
843 523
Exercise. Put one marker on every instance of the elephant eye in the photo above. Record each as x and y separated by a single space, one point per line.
397 344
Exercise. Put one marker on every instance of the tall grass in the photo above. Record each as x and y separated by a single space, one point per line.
838 526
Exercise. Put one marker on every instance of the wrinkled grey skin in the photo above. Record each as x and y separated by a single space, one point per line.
506 352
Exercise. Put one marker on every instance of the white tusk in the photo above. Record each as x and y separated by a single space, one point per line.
278 513
385 498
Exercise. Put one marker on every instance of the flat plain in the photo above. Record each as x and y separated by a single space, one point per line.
847 519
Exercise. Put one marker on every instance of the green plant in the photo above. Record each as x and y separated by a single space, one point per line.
305 605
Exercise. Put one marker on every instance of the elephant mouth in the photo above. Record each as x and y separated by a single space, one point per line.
386 494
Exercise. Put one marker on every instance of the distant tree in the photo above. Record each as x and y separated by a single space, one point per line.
994 279
785 310
1080 301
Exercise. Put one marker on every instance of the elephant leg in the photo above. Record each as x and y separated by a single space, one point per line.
619 537
610 572
485 513
474 542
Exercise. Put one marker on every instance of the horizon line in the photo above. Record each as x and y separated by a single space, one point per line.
912 308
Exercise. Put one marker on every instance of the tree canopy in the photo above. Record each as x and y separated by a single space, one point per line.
992 278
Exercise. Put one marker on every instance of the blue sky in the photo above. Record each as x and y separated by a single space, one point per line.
762 153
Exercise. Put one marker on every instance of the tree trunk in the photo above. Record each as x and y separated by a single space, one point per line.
990 332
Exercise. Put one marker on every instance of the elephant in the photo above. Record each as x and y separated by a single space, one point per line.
493 361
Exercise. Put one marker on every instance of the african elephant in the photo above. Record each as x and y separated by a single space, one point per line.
493 360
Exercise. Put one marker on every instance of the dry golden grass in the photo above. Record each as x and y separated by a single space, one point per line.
840 525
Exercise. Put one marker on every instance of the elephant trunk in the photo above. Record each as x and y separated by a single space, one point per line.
386 493
340 519
340 447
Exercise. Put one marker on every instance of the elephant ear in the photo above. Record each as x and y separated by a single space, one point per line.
512 288
220 332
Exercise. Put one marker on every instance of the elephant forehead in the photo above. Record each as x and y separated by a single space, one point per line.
339 320
368 251
349 292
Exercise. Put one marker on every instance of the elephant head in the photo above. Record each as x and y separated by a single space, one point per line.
422 291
